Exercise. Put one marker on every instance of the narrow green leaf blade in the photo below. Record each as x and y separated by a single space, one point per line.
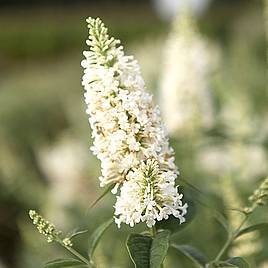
253 228
159 248
77 233
238 262
220 264
223 264
63 263
96 236
139 247
105 192
192 253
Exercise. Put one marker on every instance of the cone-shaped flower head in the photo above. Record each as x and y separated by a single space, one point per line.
149 195
128 135
126 126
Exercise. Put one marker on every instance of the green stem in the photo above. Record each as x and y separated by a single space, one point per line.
230 239
224 248
153 231
78 255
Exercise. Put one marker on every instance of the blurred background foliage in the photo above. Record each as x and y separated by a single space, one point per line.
45 161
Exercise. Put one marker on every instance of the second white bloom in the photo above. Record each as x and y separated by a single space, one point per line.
148 196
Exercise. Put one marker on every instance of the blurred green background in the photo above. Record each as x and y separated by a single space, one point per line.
45 162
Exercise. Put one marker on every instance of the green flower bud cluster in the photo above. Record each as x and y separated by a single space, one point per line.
99 41
44 227
259 197
67 242
48 229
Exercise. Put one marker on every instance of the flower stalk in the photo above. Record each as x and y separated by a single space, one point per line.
230 239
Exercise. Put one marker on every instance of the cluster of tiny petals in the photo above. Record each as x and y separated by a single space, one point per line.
44 227
48 229
149 195
126 126
259 197
67 242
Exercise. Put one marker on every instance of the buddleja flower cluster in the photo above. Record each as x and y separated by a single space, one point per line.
149 194
48 229
129 138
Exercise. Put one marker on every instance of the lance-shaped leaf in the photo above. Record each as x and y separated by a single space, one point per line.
235 262
220 264
59 263
192 253
77 233
253 228
139 248
105 192
159 248
96 236
238 262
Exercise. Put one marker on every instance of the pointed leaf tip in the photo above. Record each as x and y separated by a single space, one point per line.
59 263
96 236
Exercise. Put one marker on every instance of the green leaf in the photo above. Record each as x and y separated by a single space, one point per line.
105 192
76 233
252 228
173 224
63 263
159 248
96 236
220 264
139 247
192 253
239 262
235 262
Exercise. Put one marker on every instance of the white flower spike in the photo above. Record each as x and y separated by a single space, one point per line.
127 131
